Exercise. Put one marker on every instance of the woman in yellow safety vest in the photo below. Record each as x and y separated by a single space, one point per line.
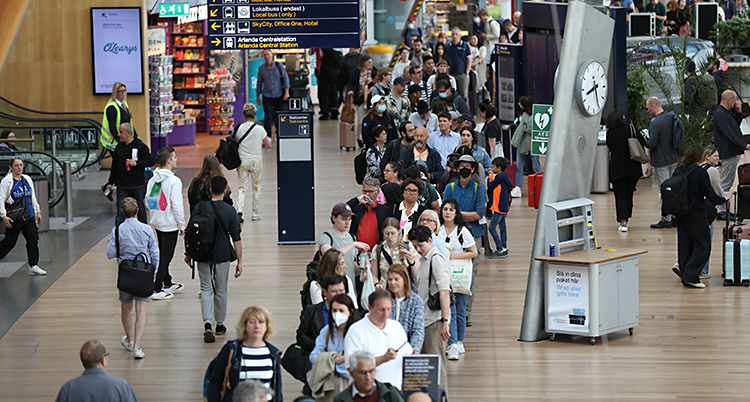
116 112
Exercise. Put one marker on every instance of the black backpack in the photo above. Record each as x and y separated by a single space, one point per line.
228 152
360 166
311 271
200 233
678 132
674 193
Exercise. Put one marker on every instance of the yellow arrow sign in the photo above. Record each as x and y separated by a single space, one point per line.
283 118
215 12
214 26
216 41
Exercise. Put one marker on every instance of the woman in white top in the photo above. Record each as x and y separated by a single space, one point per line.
478 65
255 138
460 242
401 64
332 262
17 191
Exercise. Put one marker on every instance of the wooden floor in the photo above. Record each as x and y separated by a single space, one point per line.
690 345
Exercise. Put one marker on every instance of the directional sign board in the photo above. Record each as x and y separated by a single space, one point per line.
174 9
541 117
285 24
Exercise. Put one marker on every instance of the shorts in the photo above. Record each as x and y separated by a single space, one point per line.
128 298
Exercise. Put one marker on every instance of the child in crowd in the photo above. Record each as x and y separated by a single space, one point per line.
498 194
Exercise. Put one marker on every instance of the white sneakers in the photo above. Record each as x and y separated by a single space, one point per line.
622 228
460 347
163 295
176 287
138 354
516 192
256 217
35 270
452 352
125 344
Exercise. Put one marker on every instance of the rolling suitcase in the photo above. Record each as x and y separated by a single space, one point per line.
743 202
535 189
743 173
737 262
733 231
347 136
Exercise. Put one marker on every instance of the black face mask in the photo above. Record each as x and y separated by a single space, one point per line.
464 172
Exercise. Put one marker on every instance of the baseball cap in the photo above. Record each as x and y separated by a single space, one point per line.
400 81
411 18
414 88
343 210
465 117
375 99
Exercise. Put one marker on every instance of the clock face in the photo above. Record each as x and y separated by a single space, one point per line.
591 88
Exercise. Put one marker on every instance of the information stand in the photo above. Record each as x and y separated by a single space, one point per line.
591 292
421 373
295 178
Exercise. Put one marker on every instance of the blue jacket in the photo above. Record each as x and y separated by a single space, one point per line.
727 134
498 193
472 198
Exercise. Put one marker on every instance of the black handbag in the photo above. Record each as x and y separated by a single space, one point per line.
433 301
18 211
296 361
136 276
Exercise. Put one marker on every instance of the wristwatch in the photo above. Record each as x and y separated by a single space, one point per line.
445 319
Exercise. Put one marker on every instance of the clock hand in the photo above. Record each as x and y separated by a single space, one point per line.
592 89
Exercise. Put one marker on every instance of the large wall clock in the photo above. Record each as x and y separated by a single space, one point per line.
591 88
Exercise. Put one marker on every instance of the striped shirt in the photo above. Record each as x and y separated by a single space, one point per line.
257 364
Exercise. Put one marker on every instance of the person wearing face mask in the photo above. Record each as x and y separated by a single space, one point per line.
478 28
393 149
375 118
420 152
455 103
471 199
328 376
411 29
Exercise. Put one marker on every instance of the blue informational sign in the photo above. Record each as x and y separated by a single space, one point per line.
291 24
252 85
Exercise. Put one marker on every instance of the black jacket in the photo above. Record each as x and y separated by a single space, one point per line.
311 321
360 210
220 365
393 149
699 188
455 102
727 134
372 120
135 177
620 164
434 167
201 191
330 65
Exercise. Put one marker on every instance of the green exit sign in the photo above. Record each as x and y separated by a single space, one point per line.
174 10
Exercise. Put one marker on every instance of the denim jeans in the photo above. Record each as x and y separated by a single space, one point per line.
705 269
137 193
458 319
521 165
501 239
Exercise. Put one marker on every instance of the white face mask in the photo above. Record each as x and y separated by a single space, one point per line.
340 318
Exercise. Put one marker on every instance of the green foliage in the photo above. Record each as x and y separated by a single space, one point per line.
730 34
697 128
638 91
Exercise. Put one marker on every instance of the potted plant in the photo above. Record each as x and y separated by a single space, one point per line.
732 34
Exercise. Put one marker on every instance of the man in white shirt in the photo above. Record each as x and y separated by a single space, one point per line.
423 117
381 336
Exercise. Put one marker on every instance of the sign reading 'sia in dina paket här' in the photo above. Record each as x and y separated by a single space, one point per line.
541 120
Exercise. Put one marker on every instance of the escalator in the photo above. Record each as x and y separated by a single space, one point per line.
76 139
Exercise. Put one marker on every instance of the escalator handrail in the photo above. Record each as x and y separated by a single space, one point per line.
40 112
97 127
53 158
88 151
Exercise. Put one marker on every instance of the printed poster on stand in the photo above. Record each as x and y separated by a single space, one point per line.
568 298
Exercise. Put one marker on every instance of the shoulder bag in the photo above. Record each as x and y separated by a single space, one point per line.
136 276
637 152
433 300
18 211
348 113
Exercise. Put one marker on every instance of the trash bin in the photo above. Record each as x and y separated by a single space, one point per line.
381 55
41 191
600 179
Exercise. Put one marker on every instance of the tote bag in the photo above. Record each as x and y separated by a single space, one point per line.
637 152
